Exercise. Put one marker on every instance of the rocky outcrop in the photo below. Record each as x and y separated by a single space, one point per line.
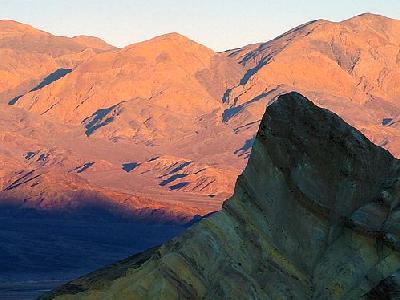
314 216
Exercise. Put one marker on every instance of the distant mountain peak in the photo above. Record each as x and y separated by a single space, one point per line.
13 23
15 26
93 42
370 17
174 37
172 43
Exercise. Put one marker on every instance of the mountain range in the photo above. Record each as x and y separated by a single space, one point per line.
157 132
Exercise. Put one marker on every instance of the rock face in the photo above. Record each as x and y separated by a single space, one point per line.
314 216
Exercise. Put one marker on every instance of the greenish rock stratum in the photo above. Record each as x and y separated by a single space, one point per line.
315 215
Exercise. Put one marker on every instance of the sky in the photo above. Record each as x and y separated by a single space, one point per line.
218 24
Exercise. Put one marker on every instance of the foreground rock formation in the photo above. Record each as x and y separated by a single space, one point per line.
314 216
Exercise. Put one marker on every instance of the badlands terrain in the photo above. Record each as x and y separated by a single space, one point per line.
138 143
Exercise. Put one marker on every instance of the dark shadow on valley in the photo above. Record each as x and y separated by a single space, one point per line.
48 246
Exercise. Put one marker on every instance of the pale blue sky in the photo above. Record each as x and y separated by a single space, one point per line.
218 24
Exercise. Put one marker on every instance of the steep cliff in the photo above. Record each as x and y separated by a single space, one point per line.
314 216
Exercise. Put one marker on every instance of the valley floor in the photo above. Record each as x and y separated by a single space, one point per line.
40 252
26 290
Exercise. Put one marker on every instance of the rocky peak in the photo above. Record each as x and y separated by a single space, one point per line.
313 216
14 26
365 17
173 36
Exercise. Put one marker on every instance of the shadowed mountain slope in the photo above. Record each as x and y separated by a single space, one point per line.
314 216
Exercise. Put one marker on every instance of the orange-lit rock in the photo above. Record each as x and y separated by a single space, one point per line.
149 89
350 67
170 120
28 55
